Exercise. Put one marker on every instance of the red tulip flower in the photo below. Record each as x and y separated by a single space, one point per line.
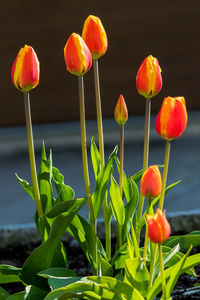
95 37
77 55
121 112
25 70
159 228
151 182
149 79
172 118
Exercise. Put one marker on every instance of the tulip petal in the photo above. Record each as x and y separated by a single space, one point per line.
95 37
25 69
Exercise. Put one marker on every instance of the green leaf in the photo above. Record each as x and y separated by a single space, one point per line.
26 186
82 290
16 296
106 267
120 257
130 207
59 277
32 293
56 272
126 190
137 176
81 230
119 287
102 183
66 206
190 262
42 257
116 202
44 181
95 288
95 156
184 240
168 254
65 192
176 272
3 294
9 274
136 273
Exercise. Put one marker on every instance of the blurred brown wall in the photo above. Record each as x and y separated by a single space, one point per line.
169 30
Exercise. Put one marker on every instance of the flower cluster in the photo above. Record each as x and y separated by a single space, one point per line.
132 272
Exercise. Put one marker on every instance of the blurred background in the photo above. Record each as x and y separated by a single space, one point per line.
169 31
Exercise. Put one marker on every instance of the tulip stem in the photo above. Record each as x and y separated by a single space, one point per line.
32 154
85 163
145 158
99 113
119 227
146 232
101 151
152 264
162 273
165 170
121 159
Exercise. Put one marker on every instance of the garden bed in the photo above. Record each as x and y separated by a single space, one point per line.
187 287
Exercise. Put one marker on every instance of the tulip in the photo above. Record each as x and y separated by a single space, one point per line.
77 55
149 79
159 228
151 182
172 118
94 36
121 112
25 70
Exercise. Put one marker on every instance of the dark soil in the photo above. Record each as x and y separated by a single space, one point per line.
187 287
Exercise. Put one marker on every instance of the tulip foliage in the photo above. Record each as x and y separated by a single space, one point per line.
129 202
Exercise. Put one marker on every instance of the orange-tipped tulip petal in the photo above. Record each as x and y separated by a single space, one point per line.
121 112
159 228
25 70
172 118
149 79
151 182
77 55
95 37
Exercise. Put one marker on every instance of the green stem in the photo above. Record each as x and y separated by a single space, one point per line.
164 179
32 154
99 113
162 273
152 264
161 202
146 232
145 158
101 151
120 239
85 163
121 159
145 245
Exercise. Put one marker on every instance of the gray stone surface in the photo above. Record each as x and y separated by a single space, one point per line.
17 208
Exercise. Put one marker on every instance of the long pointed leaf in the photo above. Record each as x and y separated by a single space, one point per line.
95 156
102 183
117 203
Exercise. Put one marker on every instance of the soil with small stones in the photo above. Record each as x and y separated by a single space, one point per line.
187 287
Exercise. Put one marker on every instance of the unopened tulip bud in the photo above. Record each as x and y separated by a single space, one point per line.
149 79
151 182
121 112
159 228
172 118
95 37
25 70
77 55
